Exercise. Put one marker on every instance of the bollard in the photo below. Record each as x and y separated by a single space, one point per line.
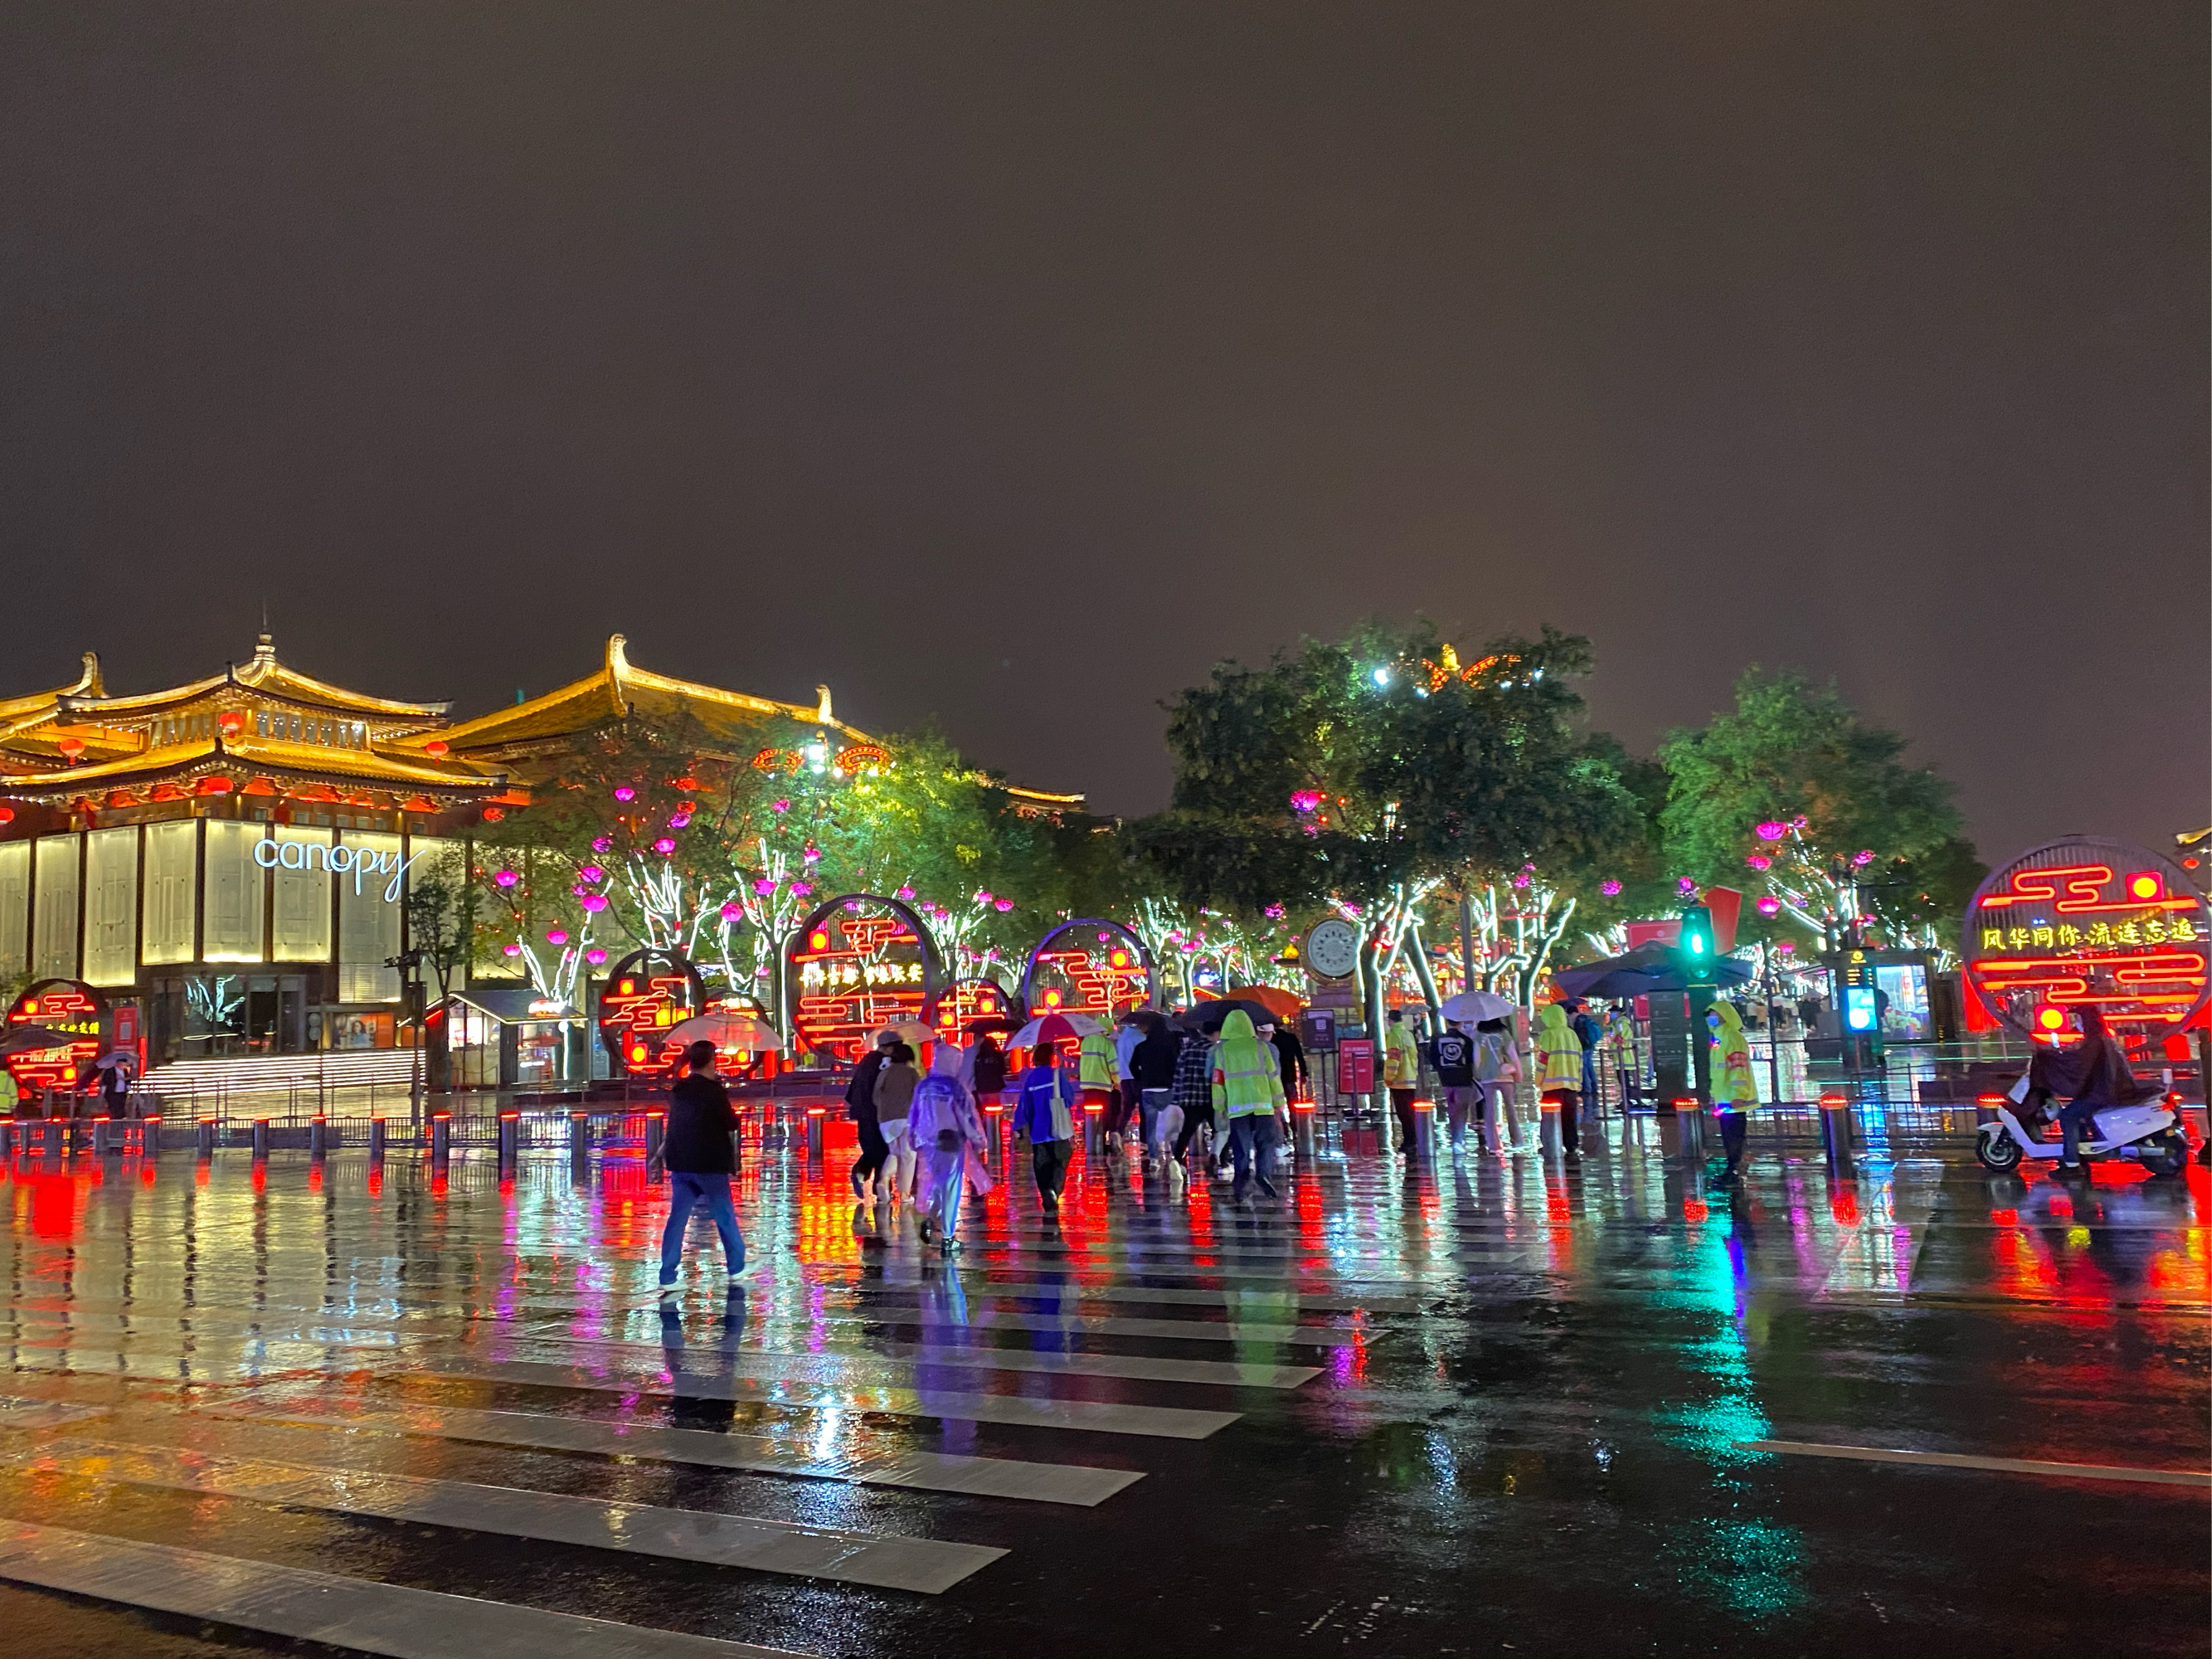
1424 1119
1836 1131
318 1141
1688 1113
441 1136
260 1139
1548 1132
207 1137
50 1139
1094 1125
103 1138
510 1135
377 1129
656 1133
8 1131
818 1130
994 1128
1302 1130
579 1138
149 1135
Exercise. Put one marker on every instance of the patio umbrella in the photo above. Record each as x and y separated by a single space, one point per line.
1646 969
1053 1028
1472 1007
1283 1004
726 1031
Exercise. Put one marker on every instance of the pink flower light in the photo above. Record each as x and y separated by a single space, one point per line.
625 793
592 872
595 956
1683 884
1769 906
1786 948
515 949
801 888
556 936
780 807
664 847
507 878
1003 904
679 820
813 856
1862 858
982 897
1759 862
1770 830
1274 913
1521 880
1304 801
594 903
1609 888
600 844
905 893
765 885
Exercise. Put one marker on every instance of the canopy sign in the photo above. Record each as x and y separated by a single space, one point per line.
2088 923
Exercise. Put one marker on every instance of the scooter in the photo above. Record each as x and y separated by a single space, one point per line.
2150 1133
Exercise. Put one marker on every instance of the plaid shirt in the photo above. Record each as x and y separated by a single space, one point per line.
1194 1077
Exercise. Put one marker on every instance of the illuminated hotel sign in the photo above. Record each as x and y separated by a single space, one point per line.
1097 968
647 992
2089 923
312 855
68 1009
857 964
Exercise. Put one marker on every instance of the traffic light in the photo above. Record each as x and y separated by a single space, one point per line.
1697 945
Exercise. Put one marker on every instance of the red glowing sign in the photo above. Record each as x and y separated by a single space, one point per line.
1097 968
68 1009
857 964
2087 922
649 992
964 1001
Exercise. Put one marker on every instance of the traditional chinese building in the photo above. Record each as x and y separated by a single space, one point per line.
231 858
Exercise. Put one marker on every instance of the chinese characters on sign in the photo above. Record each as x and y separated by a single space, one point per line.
68 1010
857 964
2089 923
649 992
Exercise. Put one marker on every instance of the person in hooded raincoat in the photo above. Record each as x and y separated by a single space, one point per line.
1559 1071
1248 1090
1735 1093
948 1132
1095 1076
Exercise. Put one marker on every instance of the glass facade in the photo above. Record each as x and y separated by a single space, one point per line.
111 906
15 906
171 897
231 887
369 928
53 942
300 927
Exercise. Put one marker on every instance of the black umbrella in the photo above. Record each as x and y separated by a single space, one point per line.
1646 969
1209 1016
983 1022
21 1039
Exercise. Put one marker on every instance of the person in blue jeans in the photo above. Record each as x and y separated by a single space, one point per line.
699 1158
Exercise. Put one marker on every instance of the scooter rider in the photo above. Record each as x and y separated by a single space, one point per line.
2094 1075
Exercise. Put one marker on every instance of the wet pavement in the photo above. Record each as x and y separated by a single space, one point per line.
1502 1408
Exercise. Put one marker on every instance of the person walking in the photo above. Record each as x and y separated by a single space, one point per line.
987 1064
1452 1056
1045 1113
949 1131
700 1159
1496 1069
1101 1092
894 1095
1129 1033
860 1107
1153 1069
1559 1071
1401 1075
1248 1092
1292 1052
1587 1029
1193 1093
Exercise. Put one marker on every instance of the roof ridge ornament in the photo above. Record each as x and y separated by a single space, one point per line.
822 712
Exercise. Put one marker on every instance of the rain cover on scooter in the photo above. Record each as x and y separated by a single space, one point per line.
2094 1069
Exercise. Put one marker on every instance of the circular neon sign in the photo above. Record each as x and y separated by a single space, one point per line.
858 963
1097 968
2088 923
70 1009
647 992
964 1001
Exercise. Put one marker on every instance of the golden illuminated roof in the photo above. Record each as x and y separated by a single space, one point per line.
242 756
38 703
263 673
620 689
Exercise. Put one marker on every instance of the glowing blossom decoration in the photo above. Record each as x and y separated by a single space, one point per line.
780 807
732 910
765 885
595 956
1522 880
904 893
1861 859
801 888
811 855
1002 904
601 844
664 847
982 897
1305 800
507 878
1274 913
556 936
1683 885
1609 887
1759 862
1787 948
594 903
1770 830
679 820
625 793
513 950
1769 906
592 872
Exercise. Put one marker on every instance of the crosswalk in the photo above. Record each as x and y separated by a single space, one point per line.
534 1390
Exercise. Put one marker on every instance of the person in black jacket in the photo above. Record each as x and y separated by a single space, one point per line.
1292 1053
1152 1068
990 1079
701 1159
860 1107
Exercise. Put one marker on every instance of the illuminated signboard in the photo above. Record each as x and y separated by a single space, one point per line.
1097 968
647 992
2087 922
62 1005
966 1001
855 965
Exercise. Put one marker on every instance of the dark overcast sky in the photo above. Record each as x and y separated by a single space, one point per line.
1011 364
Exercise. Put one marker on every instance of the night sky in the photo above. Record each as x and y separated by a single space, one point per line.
1011 364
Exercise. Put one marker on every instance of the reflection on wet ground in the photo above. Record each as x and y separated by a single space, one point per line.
1500 1407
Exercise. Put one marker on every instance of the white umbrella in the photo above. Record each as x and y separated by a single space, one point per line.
911 1032
1082 1024
1477 1006
726 1031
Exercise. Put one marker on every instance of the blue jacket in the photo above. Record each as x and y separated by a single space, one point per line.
1033 1110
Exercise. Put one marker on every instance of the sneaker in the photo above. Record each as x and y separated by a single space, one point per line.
859 1188
670 1292
1268 1187
741 1270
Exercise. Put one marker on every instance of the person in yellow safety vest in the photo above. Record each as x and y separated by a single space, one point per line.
1734 1090
1095 1078
1248 1092
1401 1075
1560 1071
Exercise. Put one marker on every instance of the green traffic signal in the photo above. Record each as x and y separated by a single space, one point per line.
1697 945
